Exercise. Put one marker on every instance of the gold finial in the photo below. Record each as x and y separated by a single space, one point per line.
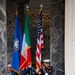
41 6
27 7
16 12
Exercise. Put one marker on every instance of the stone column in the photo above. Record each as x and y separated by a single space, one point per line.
69 37
3 38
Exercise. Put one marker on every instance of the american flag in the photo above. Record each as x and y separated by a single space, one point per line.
40 43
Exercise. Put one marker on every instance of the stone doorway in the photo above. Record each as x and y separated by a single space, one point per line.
55 47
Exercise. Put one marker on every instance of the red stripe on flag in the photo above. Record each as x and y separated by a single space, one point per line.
38 55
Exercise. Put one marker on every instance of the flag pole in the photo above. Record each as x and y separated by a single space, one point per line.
41 6
16 12
27 7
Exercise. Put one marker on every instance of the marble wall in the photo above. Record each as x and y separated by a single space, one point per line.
57 36
3 38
